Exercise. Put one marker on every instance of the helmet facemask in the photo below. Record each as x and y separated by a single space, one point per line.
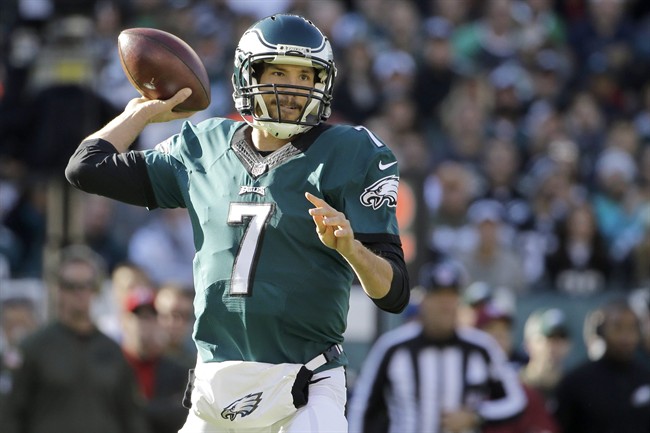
315 100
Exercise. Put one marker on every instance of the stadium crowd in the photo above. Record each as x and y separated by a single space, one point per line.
522 129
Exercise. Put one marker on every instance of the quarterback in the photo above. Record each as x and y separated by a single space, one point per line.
287 211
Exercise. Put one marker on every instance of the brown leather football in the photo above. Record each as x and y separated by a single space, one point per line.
159 64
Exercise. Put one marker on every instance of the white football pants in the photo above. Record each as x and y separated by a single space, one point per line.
324 413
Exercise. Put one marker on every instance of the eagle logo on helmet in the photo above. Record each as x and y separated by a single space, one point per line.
243 406
380 192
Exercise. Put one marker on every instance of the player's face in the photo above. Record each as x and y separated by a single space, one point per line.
287 107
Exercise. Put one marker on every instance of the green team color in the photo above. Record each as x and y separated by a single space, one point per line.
267 289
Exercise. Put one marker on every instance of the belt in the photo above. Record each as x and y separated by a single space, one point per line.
321 359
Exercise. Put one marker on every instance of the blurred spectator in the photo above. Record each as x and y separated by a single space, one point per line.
72 378
176 317
395 71
551 193
541 25
498 321
164 247
475 296
435 74
562 152
603 39
399 115
611 394
414 156
24 225
623 135
491 258
162 381
357 91
543 124
461 132
448 191
369 18
512 91
500 168
454 11
549 71
489 41
580 264
429 375
18 319
125 278
99 232
62 76
619 207
547 342
110 306
110 18
326 14
586 125
403 27
536 418
149 13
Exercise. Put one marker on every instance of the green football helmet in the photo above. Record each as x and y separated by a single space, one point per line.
283 39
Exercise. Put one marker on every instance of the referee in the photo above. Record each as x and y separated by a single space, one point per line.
432 376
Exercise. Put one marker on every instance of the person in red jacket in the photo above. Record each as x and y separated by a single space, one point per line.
161 379
535 418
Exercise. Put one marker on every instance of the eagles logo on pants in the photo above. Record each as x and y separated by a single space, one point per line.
244 406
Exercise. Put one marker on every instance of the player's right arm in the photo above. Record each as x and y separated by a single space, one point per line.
122 131
102 164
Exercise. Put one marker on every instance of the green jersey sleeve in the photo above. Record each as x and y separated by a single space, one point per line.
362 182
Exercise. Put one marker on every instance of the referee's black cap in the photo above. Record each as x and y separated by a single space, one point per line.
441 275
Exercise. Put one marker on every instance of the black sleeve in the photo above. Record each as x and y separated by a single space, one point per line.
96 167
400 292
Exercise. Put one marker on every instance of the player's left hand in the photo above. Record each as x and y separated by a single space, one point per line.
332 227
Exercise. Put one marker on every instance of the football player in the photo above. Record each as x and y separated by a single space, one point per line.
287 212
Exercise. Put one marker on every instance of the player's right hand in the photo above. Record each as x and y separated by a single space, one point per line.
158 110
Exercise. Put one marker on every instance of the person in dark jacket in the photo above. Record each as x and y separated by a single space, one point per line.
73 378
610 394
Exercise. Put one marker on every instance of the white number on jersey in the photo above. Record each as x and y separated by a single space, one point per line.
373 137
256 215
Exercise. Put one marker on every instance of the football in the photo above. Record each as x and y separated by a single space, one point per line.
159 64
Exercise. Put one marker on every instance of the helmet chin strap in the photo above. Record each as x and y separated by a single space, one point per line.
279 130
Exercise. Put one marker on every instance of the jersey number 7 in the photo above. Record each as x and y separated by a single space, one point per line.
255 216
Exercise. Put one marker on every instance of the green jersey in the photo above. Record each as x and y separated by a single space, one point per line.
267 289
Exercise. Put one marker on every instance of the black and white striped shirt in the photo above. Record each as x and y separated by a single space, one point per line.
407 381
